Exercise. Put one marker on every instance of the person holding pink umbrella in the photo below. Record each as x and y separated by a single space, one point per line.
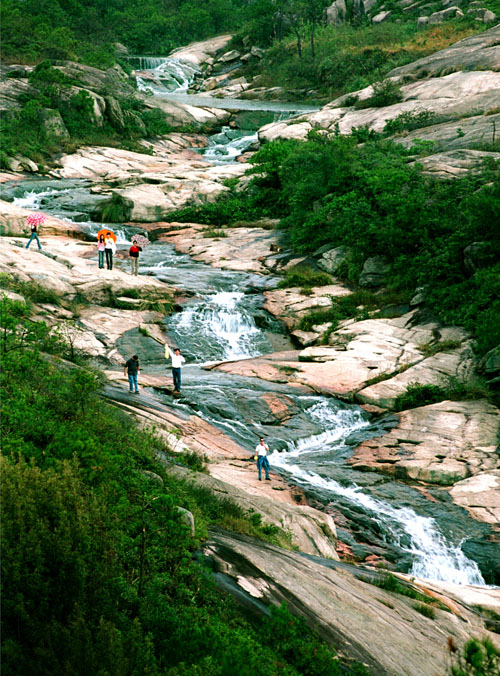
34 221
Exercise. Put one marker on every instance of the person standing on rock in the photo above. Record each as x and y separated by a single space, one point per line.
177 361
34 235
133 252
100 251
261 451
132 369
110 250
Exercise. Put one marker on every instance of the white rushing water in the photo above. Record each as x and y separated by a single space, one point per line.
33 199
433 557
226 330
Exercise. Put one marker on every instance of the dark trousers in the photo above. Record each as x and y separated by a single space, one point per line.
109 258
176 373
263 462
33 236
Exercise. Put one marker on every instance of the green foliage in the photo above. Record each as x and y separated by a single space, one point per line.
425 610
156 122
419 395
334 190
117 210
301 275
411 120
385 93
479 657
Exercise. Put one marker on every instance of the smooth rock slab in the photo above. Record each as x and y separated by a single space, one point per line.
480 496
376 627
290 305
441 443
436 370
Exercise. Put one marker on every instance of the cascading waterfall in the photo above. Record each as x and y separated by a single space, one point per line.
433 557
170 74
221 327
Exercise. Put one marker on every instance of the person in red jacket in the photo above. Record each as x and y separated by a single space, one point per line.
133 252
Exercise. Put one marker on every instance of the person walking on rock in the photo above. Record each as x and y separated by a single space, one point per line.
100 251
133 252
261 452
34 235
110 250
177 361
132 369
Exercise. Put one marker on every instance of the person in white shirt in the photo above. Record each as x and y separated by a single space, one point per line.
110 250
177 361
261 451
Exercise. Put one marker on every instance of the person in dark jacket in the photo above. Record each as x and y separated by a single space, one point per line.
133 252
132 369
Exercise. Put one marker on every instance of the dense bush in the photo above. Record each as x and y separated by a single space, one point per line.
479 657
80 29
98 574
334 191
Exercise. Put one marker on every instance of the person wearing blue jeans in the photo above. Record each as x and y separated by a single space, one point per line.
132 369
261 452
177 361
34 235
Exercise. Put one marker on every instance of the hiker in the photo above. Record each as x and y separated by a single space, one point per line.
261 452
110 249
177 361
133 252
100 251
132 369
34 235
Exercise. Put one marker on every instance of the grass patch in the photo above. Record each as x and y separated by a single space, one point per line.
214 233
304 276
425 609
430 349
32 291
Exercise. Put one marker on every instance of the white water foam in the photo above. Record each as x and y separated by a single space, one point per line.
33 199
433 557
219 317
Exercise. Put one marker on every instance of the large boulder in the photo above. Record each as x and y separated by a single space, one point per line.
480 496
333 260
13 222
114 112
490 363
440 443
456 135
336 13
53 124
312 531
480 52
374 272
448 13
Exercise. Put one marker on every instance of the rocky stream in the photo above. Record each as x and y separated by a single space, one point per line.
221 326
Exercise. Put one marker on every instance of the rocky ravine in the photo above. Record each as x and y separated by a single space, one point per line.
344 609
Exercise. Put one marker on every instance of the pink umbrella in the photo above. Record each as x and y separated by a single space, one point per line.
141 240
35 219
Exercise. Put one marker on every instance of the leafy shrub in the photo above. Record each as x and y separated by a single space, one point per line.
408 121
301 275
479 657
117 210
212 232
156 122
419 395
385 93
